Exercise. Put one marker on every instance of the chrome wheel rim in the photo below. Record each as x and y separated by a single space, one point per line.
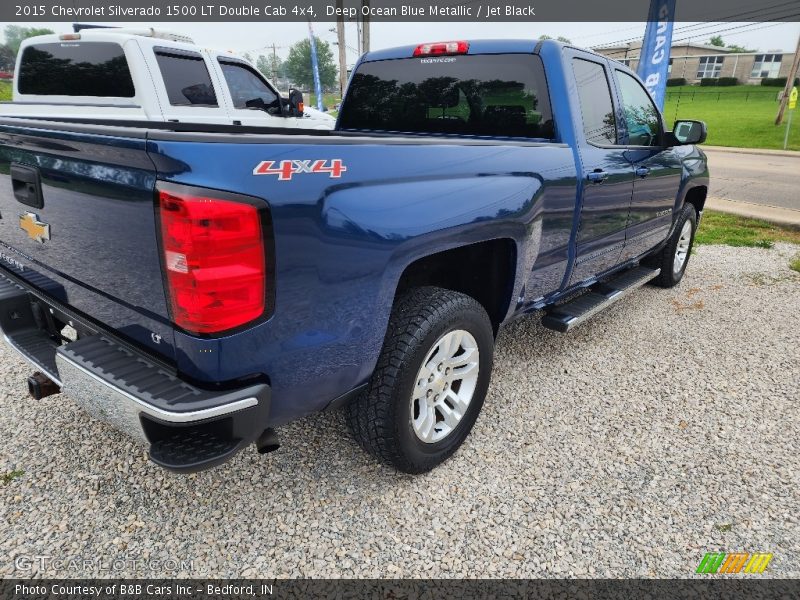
444 386
682 251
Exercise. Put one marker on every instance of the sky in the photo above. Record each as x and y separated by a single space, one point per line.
257 37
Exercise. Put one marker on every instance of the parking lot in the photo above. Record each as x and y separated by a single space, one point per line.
664 428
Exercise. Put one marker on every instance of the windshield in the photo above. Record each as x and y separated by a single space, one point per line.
487 95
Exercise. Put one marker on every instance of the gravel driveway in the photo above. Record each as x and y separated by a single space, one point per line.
666 427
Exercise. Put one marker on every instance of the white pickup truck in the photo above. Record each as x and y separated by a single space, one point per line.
136 74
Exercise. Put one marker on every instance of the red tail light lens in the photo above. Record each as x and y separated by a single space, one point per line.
214 258
441 48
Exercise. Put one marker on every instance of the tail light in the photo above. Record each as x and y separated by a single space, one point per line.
441 48
215 258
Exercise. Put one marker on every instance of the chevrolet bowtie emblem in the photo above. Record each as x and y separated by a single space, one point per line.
35 229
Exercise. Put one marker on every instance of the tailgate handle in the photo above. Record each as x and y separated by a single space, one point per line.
27 184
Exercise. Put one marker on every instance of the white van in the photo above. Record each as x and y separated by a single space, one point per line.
135 74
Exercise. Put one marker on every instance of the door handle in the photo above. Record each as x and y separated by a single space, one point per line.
597 176
642 171
27 185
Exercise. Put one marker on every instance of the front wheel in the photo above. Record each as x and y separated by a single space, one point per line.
674 257
430 381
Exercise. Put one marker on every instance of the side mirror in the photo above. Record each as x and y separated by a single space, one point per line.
296 102
689 132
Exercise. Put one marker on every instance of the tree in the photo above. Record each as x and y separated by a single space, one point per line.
16 34
738 48
271 66
7 58
560 38
298 65
717 41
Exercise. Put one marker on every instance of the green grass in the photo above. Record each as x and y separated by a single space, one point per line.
5 90
11 476
742 116
732 230
795 264
328 100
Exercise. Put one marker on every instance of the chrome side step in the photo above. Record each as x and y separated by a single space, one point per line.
566 316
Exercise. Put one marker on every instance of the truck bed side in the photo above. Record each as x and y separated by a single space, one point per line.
342 244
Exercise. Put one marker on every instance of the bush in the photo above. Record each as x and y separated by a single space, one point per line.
777 81
719 81
676 81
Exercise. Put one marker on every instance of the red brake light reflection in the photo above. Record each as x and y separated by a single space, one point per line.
441 48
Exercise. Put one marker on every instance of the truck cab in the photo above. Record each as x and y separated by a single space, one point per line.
128 74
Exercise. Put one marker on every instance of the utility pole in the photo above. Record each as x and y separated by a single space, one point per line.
365 26
342 48
789 84
274 63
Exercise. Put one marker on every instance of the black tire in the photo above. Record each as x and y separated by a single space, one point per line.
665 258
381 418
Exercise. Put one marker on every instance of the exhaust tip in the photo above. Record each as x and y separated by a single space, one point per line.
40 386
267 442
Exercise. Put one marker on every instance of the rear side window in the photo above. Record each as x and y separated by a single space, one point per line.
245 85
75 69
186 78
487 95
594 95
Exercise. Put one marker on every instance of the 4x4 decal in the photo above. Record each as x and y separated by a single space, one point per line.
288 168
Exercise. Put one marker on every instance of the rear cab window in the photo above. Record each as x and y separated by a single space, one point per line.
496 95
97 69
594 96
186 78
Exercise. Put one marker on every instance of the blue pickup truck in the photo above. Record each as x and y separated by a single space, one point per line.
197 286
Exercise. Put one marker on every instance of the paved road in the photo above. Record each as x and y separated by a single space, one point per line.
769 180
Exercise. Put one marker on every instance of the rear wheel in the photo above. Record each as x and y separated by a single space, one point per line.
430 381
674 257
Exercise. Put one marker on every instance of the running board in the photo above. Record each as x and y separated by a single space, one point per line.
566 316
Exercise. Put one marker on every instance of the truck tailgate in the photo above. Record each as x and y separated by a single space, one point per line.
77 220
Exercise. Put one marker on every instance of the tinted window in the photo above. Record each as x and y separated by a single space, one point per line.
492 95
187 79
75 69
246 85
594 95
641 116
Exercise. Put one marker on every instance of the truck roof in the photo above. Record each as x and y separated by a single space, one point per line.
145 35
491 46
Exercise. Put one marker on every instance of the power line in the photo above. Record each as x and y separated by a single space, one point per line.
771 10
748 27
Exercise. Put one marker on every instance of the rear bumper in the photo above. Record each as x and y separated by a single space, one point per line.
187 428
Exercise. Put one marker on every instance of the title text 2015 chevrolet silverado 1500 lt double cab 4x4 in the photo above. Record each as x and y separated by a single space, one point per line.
198 286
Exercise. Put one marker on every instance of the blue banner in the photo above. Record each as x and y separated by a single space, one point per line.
654 57
315 67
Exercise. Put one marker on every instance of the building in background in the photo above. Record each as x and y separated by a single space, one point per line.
694 62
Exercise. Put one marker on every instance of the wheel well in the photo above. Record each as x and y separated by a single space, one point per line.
697 197
484 271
